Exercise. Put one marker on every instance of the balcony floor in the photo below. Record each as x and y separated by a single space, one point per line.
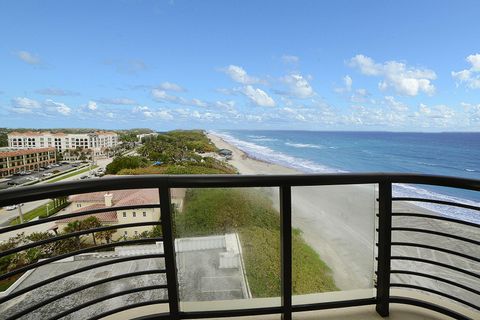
397 311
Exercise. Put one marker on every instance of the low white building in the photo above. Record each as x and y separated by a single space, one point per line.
117 198
98 141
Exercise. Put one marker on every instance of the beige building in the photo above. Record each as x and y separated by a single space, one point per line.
98 142
13 160
113 199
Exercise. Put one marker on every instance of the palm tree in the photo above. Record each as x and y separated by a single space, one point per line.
91 223
74 226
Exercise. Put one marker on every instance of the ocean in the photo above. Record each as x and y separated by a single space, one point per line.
450 154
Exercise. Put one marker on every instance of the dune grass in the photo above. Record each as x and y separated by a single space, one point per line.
249 212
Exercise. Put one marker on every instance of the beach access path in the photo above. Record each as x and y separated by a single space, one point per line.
338 222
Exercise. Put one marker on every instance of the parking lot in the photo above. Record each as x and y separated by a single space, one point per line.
36 175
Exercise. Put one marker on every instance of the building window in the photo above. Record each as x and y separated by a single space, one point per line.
144 214
79 205
134 214
124 214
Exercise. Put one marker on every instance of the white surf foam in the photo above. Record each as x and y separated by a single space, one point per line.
399 190
304 145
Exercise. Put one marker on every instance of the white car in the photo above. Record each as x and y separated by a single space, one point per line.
12 207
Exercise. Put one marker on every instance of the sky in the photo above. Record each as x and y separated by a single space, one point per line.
298 65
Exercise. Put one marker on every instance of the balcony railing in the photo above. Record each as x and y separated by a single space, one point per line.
382 297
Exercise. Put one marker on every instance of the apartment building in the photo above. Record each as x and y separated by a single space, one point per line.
18 160
97 141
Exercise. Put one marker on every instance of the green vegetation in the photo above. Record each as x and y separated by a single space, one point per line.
177 146
126 162
17 260
249 212
3 137
131 135
177 152
71 174
53 207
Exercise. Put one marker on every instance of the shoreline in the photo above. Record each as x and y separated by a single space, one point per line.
351 267
339 223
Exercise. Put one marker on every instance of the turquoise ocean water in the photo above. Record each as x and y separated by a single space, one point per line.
451 154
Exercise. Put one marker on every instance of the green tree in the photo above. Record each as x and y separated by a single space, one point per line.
74 226
126 162
105 235
91 223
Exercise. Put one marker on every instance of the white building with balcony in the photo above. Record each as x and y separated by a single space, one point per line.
98 141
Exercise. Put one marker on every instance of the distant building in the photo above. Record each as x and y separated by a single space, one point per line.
226 153
146 135
18 160
100 200
98 142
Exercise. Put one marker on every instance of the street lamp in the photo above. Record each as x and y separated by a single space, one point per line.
20 213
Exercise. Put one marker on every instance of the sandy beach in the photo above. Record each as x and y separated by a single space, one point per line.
338 222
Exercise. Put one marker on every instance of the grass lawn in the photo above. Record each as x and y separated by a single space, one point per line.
71 174
249 212
39 211
5 284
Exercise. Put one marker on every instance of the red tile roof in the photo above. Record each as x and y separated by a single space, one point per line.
24 151
27 133
108 216
120 197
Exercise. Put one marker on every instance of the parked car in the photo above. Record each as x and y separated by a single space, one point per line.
12 207
11 183
48 174
84 177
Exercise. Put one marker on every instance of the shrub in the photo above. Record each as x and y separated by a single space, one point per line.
126 162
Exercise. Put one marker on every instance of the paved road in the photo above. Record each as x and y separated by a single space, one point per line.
6 216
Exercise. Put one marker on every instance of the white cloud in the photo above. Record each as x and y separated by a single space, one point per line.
290 58
117 101
92 105
473 112
396 75
226 105
110 115
170 86
348 82
59 107
28 57
258 96
470 77
238 74
435 116
298 86
395 105
147 112
162 95
25 103
199 103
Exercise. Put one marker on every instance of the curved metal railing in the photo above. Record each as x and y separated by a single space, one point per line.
387 219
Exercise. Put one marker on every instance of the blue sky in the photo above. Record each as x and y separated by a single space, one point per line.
316 65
